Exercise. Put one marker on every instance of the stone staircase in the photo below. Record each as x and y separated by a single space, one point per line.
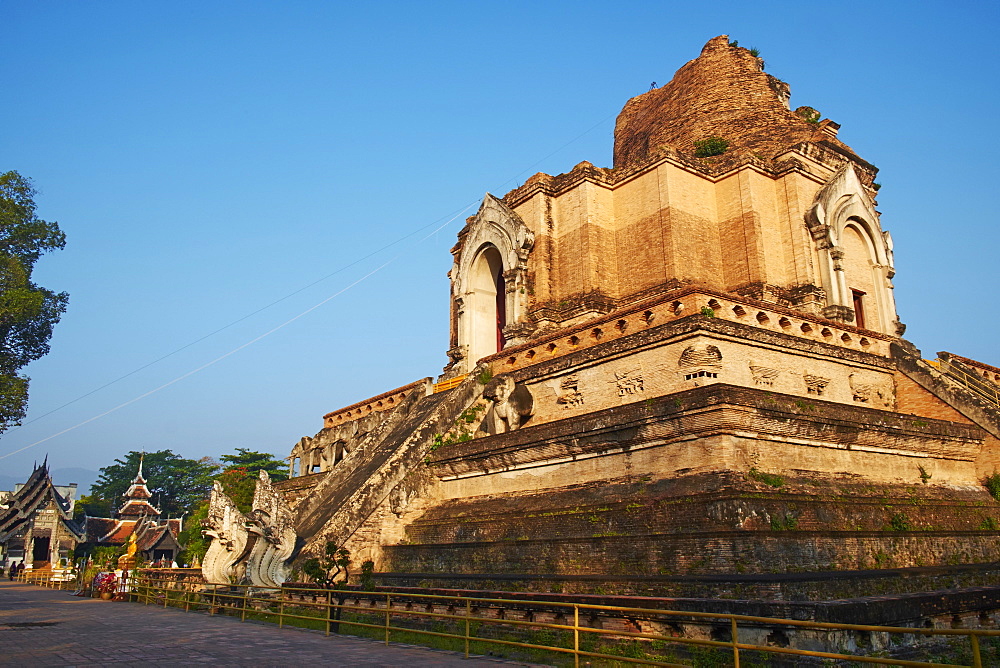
971 381
351 492
975 398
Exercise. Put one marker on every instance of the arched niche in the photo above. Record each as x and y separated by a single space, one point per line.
488 284
486 304
854 254
859 262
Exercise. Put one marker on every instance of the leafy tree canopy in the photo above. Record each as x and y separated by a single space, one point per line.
88 504
255 461
190 538
28 312
178 485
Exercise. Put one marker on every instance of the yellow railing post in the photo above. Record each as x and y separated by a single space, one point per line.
736 647
468 613
329 611
576 636
281 607
387 604
243 608
977 659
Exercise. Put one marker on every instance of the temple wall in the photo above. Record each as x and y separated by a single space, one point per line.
668 223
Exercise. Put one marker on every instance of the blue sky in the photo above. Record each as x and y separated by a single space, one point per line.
209 159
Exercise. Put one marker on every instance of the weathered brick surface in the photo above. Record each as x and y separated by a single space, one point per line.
724 92
914 399
767 590
708 523
703 411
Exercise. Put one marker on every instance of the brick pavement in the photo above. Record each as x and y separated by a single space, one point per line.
44 627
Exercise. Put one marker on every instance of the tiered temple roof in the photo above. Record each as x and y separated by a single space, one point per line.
139 516
34 495
137 497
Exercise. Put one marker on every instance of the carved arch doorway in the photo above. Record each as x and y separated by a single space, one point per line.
487 304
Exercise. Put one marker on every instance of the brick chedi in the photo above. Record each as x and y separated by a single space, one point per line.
725 93
673 367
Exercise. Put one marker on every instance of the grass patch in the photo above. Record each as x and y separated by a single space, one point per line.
770 479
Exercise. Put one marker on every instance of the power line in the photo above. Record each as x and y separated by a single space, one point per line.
267 306
238 348
241 319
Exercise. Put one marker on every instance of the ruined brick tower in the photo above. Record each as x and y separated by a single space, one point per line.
686 364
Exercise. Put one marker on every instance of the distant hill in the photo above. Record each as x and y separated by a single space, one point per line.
7 482
84 478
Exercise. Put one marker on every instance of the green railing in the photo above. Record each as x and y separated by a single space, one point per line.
974 383
569 629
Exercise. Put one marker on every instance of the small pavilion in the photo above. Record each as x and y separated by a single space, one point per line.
156 539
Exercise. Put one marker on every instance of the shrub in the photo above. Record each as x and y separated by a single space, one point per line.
808 114
771 479
924 475
992 484
707 311
368 575
900 522
706 148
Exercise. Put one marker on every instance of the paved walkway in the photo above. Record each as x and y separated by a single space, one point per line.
46 627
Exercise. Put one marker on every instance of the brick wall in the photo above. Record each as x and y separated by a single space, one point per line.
913 399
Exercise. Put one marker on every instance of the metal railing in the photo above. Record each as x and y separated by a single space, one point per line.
53 578
570 629
972 382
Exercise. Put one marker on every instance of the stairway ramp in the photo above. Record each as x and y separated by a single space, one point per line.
338 506
973 382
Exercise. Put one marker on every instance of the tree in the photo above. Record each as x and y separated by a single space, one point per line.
88 504
238 480
253 462
28 312
241 472
178 485
190 538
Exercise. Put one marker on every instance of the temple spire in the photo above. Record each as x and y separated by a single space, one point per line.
138 497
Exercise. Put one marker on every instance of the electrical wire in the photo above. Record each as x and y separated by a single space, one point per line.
267 306
239 320
240 347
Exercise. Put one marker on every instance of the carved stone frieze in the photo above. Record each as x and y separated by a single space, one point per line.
569 392
837 312
700 356
815 384
763 375
511 405
629 382
699 362
872 394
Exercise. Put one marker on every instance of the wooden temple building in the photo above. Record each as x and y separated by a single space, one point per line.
36 522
